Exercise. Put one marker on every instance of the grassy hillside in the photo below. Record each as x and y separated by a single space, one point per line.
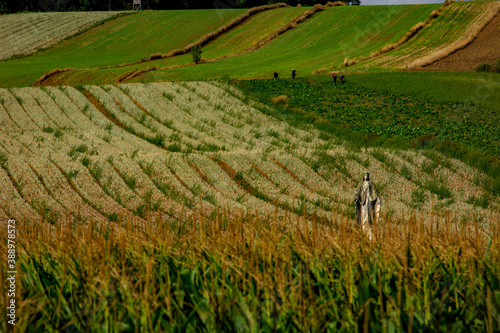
248 35
324 40
124 40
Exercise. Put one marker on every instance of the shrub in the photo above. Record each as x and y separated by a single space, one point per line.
196 53
78 149
113 217
131 181
58 133
483 68
96 172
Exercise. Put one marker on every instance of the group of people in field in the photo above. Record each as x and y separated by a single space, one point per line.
334 76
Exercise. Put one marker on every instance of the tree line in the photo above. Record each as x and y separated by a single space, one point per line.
15 6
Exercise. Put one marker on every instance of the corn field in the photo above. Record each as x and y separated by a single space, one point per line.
237 271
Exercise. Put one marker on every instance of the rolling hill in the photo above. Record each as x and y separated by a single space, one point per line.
322 42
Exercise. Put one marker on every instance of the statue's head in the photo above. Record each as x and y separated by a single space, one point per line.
366 176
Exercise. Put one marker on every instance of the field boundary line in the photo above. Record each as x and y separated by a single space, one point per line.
41 81
213 35
292 24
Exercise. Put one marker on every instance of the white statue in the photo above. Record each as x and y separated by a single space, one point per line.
367 202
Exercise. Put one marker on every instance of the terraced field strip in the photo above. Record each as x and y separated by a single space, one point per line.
28 32
246 36
433 41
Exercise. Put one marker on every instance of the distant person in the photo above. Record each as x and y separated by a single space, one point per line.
275 75
342 78
294 73
334 78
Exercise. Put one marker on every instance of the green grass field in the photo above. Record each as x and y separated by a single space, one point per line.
324 40
251 32
124 40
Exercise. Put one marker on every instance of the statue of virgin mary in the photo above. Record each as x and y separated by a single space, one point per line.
367 203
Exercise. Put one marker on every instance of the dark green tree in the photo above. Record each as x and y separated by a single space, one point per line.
196 53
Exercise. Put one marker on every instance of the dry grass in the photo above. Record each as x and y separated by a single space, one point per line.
49 75
155 56
133 74
319 71
282 99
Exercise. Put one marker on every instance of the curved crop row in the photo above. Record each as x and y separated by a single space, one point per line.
88 154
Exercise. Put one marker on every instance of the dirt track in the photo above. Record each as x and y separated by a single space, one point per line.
485 49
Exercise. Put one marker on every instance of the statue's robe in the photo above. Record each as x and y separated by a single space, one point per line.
367 203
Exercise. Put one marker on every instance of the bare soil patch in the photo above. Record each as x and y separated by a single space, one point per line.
485 49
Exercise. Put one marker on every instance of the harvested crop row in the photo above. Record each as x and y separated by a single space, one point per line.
302 196
6 120
118 112
228 186
16 112
162 132
73 145
100 119
185 111
75 173
152 199
12 202
211 119
98 169
87 128
230 104
196 184
60 189
185 136
265 189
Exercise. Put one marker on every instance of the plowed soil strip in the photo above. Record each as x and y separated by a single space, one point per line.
485 49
